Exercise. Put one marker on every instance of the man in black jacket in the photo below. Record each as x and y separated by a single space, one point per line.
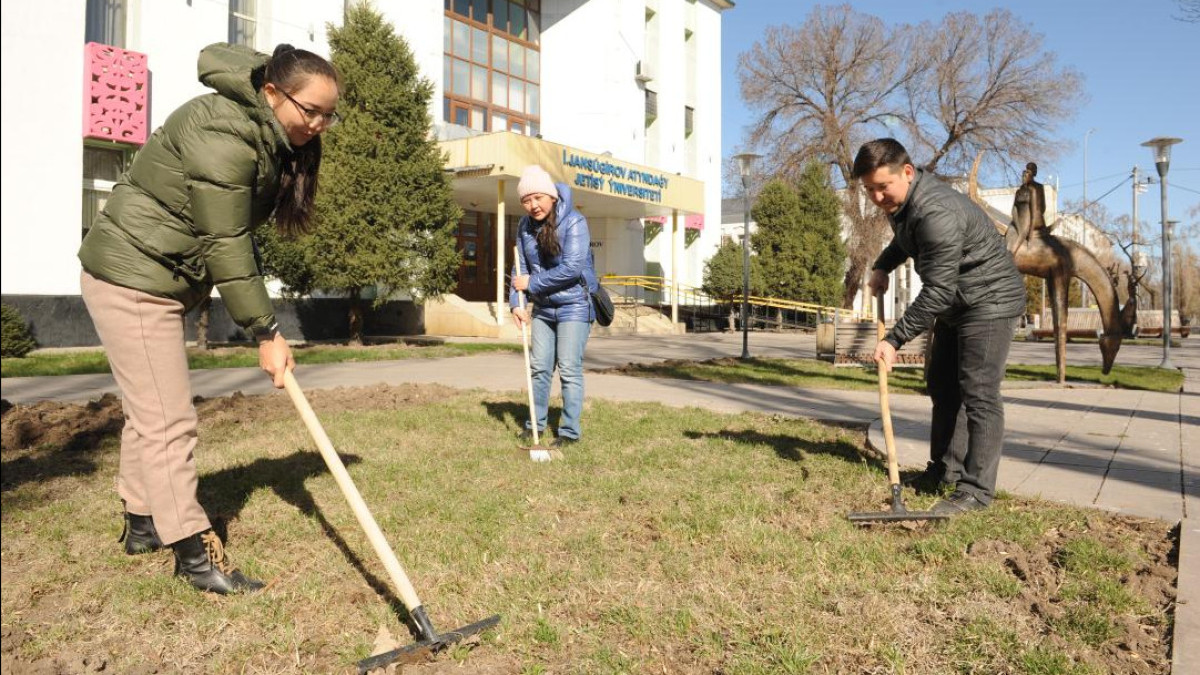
971 294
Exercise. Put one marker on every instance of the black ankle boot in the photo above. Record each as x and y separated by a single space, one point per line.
139 535
201 559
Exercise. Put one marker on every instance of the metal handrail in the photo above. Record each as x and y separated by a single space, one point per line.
700 298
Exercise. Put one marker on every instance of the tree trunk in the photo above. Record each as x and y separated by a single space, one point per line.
356 317
851 283
202 323
868 231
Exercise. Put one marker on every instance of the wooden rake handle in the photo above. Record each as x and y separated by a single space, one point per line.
525 346
365 519
885 410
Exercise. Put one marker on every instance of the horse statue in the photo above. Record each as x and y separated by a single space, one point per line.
1039 253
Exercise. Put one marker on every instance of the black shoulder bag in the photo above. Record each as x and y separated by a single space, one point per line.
601 303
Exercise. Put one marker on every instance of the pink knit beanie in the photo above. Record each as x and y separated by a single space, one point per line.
535 180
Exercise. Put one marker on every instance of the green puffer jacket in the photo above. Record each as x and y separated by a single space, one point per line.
181 219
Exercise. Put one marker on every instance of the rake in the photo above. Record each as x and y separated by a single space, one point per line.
898 512
428 639
537 451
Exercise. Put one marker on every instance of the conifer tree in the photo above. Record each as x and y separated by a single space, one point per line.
799 238
723 278
385 210
823 258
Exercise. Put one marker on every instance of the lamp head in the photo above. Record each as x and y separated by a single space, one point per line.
745 162
1161 147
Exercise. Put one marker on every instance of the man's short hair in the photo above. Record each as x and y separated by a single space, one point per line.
879 152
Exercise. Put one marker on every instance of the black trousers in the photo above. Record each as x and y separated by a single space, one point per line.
966 436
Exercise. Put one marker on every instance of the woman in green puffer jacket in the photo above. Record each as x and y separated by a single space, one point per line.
179 223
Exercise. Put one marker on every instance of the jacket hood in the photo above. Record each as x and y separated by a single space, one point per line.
565 202
229 69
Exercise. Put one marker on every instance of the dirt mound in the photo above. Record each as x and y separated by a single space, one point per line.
1040 569
70 427
67 426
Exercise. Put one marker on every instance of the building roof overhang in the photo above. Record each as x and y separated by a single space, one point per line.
601 186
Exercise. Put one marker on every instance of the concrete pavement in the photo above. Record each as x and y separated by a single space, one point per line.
1122 451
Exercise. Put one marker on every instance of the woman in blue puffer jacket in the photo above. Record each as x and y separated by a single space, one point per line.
553 244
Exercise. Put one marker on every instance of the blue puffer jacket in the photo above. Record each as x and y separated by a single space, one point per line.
554 286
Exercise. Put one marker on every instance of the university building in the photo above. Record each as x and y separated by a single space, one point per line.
620 99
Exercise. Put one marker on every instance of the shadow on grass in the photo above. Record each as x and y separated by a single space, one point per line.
225 493
1132 378
789 447
516 415
776 372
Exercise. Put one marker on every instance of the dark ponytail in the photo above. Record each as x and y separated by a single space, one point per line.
289 69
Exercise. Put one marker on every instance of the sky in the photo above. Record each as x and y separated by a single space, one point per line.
1141 70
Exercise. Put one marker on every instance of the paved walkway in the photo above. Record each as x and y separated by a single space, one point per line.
1122 451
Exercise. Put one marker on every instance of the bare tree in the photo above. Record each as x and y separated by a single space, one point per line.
947 90
1189 11
821 90
989 87
1186 265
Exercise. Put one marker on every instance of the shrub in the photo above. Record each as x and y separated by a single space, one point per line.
15 338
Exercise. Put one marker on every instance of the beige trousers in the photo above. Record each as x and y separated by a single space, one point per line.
143 338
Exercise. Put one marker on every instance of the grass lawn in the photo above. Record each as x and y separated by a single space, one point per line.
668 541
811 373
1142 341
94 361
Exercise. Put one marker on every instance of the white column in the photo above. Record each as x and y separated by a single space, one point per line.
675 232
501 260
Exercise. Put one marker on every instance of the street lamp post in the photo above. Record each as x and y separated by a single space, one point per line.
1135 258
1085 157
745 163
1083 289
1161 147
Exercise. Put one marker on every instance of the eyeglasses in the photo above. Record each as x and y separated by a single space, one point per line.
328 119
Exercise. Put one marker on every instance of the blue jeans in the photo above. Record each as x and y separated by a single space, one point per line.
561 344
966 436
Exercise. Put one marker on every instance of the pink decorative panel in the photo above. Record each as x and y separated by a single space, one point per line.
115 94
693 222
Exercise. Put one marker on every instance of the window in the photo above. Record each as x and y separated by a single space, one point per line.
651 107
243 18
492 64
688 114
105 22
102 166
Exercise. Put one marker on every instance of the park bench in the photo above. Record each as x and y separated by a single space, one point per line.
1150 324
852 343
1081 323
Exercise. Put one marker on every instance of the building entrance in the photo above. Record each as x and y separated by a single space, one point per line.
477 246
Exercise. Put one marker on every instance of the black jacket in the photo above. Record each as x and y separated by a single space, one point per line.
966 271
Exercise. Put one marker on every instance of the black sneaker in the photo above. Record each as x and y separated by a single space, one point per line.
563 442
958 503
526 435
931 481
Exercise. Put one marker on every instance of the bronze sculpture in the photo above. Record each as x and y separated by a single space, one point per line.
1029 206
1039 253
